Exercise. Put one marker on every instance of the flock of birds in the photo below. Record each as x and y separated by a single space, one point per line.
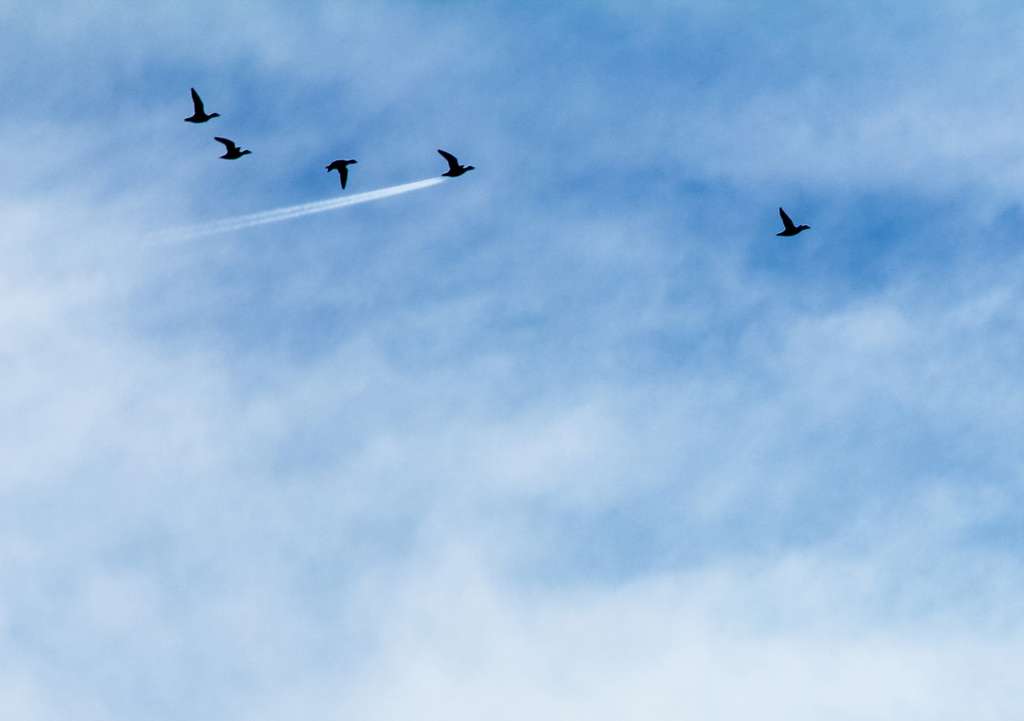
233 152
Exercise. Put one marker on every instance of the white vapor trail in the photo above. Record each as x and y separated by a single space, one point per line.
226 225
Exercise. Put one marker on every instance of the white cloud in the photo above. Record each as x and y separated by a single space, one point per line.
499 451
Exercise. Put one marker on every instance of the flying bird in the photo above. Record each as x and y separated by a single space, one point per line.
342 167
790 229
454 169
233 153
199 116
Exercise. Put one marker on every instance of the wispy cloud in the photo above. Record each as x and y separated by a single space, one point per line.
577 436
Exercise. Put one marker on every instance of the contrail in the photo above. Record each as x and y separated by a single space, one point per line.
226 225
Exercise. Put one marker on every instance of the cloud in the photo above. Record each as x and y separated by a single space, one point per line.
576 436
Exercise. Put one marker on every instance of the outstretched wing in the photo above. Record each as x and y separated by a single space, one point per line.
343 174
786 221
453 162
197 102
229 144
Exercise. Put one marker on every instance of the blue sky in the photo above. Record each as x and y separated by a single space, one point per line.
573 436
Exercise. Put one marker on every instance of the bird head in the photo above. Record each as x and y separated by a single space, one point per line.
214 115
469 167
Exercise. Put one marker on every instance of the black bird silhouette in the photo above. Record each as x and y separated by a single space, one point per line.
342 167
199 116
233 153
454 169
790 229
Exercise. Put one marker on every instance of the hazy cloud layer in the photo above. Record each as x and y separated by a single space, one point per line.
574 435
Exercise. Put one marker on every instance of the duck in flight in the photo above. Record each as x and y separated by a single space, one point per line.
199 116
454 169
233 153
790 228
342 167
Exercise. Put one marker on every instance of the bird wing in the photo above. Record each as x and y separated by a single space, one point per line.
229 144
453 162
197 102
786 221
343 174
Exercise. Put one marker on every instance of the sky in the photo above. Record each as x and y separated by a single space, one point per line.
574 435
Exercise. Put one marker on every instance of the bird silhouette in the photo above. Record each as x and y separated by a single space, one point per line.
790 229
454 169
199 116
233 153
342 167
